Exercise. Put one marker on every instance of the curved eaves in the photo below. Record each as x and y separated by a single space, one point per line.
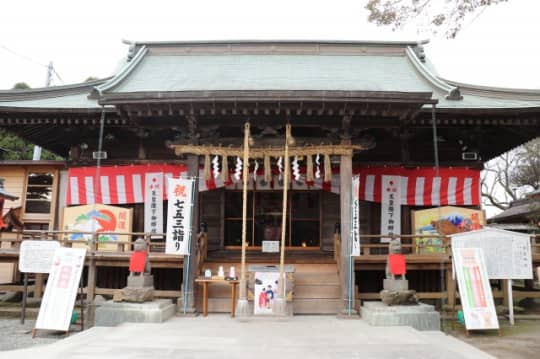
452 92
122 74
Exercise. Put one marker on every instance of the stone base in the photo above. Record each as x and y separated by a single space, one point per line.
137 294
420 317
396 284
110 313
141 280
403 297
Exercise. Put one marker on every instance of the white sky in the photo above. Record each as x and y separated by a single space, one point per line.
83 38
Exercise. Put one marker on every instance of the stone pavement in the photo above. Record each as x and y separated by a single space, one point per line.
219 336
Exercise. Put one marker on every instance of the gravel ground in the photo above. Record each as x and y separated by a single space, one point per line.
14 335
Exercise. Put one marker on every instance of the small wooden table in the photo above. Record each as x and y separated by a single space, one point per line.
205 281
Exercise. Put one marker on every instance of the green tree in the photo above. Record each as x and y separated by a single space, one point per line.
12 147
21 86
445 15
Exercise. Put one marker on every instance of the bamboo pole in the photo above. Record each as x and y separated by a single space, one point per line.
280 305
242 308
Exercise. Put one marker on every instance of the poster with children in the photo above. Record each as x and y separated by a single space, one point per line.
266 291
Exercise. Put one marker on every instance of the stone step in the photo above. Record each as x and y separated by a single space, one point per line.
316 306
317 291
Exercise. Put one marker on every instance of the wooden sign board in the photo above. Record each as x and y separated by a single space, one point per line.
59 298
37 256
474 289
101 219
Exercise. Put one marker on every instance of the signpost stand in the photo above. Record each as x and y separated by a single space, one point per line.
25 295
510 303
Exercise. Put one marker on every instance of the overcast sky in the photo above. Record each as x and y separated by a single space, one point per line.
83 38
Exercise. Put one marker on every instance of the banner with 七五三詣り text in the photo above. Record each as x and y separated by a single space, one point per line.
179 214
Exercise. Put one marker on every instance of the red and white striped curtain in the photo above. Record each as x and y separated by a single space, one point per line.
424 186
116 185
419 186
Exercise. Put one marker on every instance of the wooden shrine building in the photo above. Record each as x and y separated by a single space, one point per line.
367 109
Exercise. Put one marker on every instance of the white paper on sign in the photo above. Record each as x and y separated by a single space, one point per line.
37 256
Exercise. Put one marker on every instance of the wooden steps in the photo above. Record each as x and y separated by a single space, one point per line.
317 289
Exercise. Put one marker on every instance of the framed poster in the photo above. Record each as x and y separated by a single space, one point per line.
266 291
444 221
474 289
61 290
101 219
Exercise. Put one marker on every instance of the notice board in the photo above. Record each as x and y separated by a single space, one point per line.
59 298
474 289
507 253
37 256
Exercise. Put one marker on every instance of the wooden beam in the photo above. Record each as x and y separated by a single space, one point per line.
342 150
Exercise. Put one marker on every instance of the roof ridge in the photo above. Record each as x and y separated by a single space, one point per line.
277 41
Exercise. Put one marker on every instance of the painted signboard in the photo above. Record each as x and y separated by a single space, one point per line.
59 298
101 219
37 256
474 289
180 193
444 221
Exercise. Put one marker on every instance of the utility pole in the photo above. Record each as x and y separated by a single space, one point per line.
50 69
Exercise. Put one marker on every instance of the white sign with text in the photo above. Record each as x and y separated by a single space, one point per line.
37 256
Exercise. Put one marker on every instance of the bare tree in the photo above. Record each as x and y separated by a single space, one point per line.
514 172
445 15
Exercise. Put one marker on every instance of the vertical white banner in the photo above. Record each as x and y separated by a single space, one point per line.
59 298
153 203
179 212
355 217
390 206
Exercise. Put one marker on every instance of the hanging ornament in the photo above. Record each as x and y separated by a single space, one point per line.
215 166
207 174
318 167
280 167
255 169
238 169
309 169
225 169
327 169
296 169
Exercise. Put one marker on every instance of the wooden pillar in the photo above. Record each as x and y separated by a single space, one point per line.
189 273
38 285
345 173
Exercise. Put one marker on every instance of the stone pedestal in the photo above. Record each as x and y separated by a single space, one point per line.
396 292
420 316
111 313
140 288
